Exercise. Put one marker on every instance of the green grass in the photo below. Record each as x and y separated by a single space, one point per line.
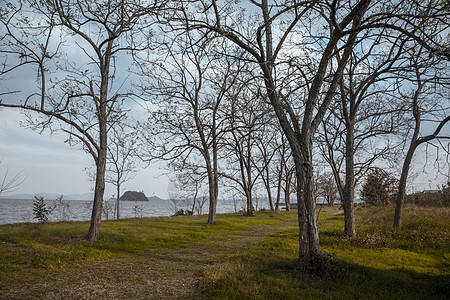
238 258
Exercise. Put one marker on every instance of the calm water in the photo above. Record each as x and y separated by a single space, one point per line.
20 211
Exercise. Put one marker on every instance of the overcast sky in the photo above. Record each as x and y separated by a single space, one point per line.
52 166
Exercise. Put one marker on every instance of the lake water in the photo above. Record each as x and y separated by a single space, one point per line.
21 211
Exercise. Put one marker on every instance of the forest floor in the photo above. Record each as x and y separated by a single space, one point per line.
238 258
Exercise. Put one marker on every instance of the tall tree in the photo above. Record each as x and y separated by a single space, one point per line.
265 51
188 90
428 103
356 131
266 34
82 96
246 116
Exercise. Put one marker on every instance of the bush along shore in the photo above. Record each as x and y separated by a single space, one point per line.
238 258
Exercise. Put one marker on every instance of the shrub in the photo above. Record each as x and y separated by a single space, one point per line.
41 211
378 188
62 208
439 198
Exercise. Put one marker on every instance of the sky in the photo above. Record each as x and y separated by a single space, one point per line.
49 165
52 166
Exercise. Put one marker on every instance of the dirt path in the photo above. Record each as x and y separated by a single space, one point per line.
173 273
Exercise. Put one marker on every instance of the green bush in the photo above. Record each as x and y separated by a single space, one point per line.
379 188
41 211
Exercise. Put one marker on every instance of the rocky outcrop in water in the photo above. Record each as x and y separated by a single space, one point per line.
133 196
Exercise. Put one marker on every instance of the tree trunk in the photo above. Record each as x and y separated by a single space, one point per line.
195 197
212 199
402 185
309 245
349 187
118 199
280 178
102 115
96 216
267 185
250 209
287 194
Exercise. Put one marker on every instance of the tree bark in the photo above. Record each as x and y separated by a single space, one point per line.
96 216
349 187
212 186
309 245
118 199
402 185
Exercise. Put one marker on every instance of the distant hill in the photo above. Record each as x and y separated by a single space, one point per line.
155 198
133 196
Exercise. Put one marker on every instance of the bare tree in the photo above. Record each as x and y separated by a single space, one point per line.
267 42
247 119
82 96
356 132
284 171
428 103
265 51
326 187
188 90
189 183
121 159
268 143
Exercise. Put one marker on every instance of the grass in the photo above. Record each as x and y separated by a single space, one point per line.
238 258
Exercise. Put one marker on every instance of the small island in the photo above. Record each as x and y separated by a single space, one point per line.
133 196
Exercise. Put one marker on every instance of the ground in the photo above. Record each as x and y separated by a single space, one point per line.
238 258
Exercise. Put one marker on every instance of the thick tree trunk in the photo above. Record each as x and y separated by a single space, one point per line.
309 245
250 208
349 187
96 216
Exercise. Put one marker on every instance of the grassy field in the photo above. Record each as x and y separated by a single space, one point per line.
239 258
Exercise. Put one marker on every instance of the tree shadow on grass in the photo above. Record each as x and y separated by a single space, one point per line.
277 278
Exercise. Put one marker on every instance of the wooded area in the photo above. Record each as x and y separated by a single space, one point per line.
243 98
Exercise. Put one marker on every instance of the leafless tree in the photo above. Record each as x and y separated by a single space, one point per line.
84 90
326 187
247 119
366 113
265 51
265 161
189 183
121 159
428 103
328 30
188 90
